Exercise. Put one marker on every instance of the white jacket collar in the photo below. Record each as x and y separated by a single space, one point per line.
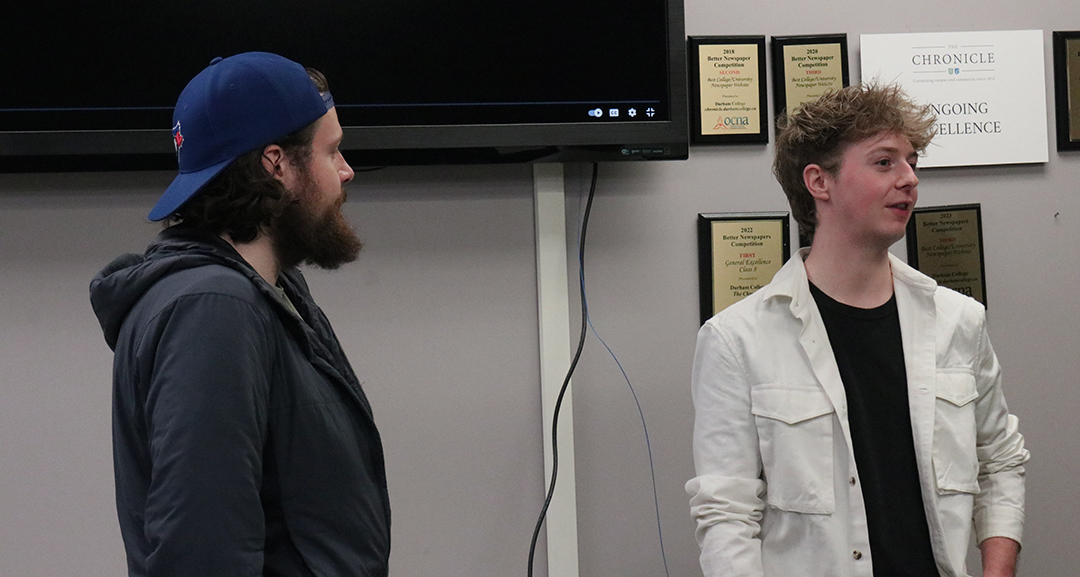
791 280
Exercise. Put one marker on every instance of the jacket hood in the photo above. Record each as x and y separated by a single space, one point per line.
116 289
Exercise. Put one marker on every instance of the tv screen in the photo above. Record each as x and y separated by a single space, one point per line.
415 83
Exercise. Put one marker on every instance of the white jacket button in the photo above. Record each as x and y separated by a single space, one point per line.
857 555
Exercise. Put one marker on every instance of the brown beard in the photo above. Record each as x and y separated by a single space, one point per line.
304 235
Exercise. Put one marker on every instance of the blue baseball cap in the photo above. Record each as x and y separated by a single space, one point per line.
234 106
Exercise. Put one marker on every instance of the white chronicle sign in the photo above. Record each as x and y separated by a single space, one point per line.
988 90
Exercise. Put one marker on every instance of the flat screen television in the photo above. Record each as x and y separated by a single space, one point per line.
91 85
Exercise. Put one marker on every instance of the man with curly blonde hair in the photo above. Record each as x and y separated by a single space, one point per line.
850 419
821 129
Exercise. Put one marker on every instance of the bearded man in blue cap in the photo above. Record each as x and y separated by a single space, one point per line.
243 443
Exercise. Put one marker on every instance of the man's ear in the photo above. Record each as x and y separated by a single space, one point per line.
273 157
817 182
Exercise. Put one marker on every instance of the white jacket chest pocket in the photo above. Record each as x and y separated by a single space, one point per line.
956 463
795 437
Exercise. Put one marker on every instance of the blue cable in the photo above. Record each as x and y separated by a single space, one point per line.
586 320
641 413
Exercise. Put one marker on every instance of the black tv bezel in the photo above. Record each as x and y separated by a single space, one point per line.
369 146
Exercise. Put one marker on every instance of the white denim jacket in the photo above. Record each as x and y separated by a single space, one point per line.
777 493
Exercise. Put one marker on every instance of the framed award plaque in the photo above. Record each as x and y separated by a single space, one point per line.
738 253
805 67
945 243
728 102
1067 89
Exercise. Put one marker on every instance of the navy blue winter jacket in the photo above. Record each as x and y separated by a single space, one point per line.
242 441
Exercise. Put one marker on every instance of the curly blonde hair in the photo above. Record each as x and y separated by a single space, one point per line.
820 130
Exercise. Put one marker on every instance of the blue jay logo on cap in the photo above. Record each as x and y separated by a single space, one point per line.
178 139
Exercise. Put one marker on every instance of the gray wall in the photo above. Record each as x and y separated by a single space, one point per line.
439 319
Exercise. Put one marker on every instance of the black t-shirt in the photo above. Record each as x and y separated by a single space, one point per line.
870 354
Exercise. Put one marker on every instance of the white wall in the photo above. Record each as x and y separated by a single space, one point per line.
439 319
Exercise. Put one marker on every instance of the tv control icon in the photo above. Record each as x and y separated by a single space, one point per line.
596 113
650 112
632 112
613 112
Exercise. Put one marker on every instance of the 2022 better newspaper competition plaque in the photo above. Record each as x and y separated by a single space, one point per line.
738 254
